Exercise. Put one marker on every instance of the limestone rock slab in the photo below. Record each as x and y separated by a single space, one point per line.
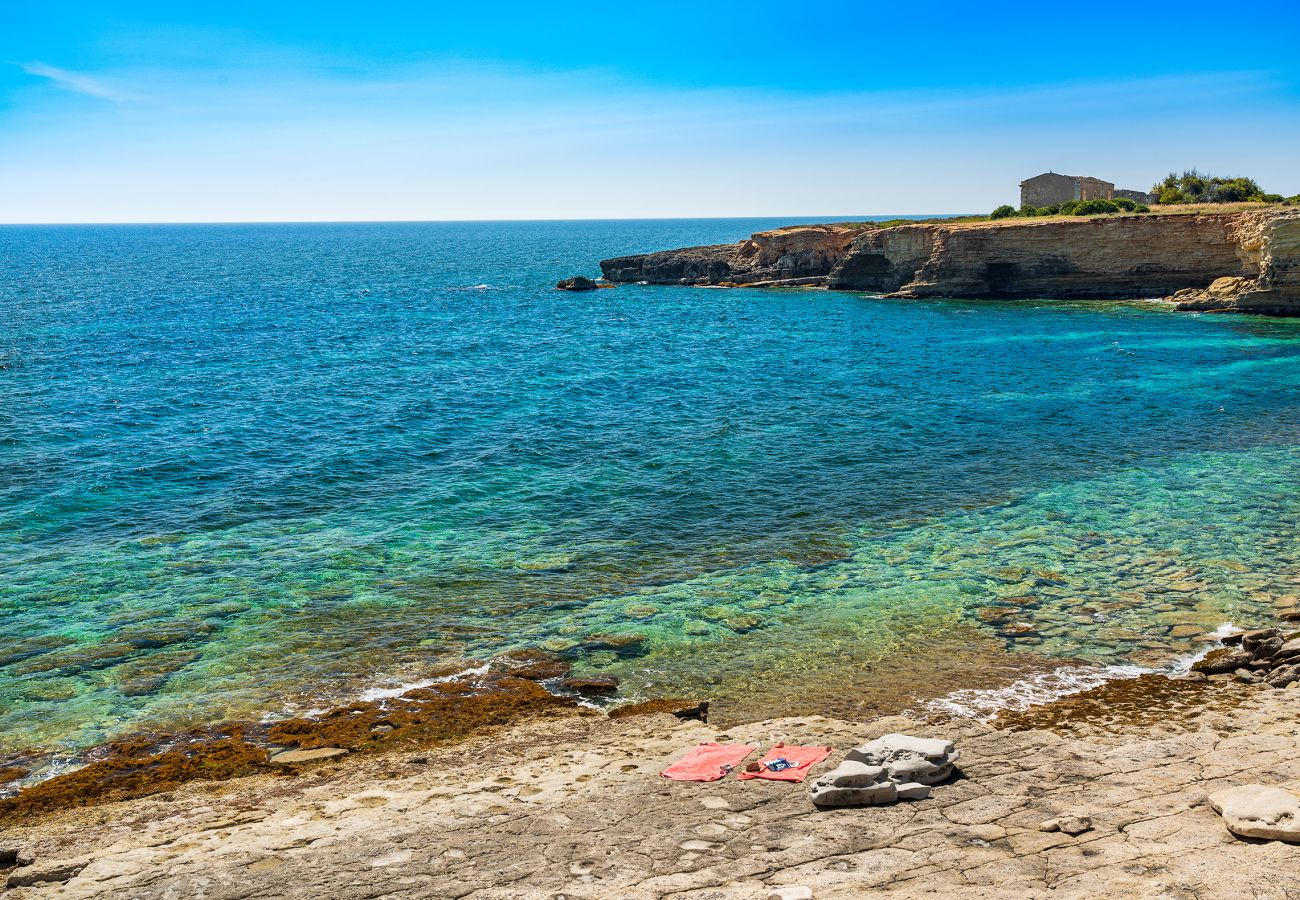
1256 811
288 757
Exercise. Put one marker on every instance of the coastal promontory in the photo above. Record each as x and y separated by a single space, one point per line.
1245 260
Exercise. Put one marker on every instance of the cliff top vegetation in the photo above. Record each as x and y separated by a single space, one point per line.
1196 187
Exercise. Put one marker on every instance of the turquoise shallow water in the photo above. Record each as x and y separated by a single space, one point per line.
245 469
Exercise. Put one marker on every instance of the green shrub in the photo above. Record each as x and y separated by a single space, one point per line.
1237 190
1003 212
1068 207
1095 207
1272 198
1142 207
1125 204
1195 187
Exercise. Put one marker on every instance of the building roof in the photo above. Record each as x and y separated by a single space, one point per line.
1071 177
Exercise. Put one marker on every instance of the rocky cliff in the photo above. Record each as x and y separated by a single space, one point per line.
1270 245
1247 261
801 254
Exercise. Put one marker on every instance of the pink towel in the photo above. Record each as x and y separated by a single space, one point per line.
708 762
801 758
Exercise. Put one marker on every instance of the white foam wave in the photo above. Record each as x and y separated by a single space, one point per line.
387 693
1034 690
1183 664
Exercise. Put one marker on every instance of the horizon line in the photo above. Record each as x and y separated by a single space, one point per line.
827 218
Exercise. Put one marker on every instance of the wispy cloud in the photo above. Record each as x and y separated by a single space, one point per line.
76 82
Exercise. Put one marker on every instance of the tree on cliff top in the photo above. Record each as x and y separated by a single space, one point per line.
1195 187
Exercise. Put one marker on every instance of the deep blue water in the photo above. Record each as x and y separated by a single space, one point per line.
246 467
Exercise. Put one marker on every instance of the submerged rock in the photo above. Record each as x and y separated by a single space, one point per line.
146 674
590 685
17 651
534 665
623 644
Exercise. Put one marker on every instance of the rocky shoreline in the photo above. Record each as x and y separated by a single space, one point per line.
1241 261
452 706
572 805
458 700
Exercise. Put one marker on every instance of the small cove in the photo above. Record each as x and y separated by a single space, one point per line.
257 469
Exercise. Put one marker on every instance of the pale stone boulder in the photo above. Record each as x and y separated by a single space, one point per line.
1255 811
824 792
906 758
851 773
890 768
1067 824
794 892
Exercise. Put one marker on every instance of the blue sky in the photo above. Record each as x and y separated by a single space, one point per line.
288 111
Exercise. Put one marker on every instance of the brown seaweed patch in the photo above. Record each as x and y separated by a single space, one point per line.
12 773
1124 703
146 764
422 716
126 774
682 709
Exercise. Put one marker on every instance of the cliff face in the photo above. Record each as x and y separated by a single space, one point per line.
1103 257
798 255
1271 247
1248 261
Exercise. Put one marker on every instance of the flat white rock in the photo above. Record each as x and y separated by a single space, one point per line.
896 746
1255 811
794 892
299 756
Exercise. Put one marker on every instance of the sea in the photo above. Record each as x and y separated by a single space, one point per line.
254 470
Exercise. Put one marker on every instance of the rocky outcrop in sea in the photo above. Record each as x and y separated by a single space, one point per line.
1246 261
801 255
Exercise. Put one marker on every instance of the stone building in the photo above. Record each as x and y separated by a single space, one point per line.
1050 189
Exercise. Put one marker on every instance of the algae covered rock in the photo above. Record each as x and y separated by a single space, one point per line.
1223 660
590 685
576 283
531 664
